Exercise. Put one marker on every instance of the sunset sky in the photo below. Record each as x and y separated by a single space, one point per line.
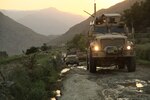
72 6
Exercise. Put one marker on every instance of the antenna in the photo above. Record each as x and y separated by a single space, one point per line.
95 8
94 16
133 31
89 14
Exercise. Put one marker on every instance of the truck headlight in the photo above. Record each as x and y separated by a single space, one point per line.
128 47
96 48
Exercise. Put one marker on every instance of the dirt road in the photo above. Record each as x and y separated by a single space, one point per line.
106 84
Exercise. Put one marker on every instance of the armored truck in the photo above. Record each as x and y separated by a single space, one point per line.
109 44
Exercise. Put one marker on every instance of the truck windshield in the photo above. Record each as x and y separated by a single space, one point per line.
116 29
100 29
104 29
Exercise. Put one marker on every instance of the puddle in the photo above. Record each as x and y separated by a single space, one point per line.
59 80
82 67
57 95
53 98
65 70
72 65
128 84
137 85
106 68
123 99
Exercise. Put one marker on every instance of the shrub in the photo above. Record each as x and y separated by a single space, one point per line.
44 47
143 52
32 50
34 78
3 54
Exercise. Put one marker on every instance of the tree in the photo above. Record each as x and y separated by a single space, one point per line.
138 15
32 50
3 54
44 47
78 42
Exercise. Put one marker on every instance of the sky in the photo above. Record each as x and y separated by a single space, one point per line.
71 6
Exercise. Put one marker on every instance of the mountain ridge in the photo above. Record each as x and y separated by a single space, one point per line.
47 21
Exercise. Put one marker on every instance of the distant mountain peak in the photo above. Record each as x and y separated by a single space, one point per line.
47 21
49 9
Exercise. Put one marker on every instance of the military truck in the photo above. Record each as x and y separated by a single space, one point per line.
109 44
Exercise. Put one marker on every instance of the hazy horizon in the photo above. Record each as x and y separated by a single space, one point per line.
45 21
73 7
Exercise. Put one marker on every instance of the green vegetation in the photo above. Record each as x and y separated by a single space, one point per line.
142 38
29 77
3 54
32 50
143 62
143 52
10 59
143 47
44 47
78 42
139 16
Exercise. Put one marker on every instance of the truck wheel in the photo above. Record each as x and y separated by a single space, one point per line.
87 62
121 66
131 64
92 65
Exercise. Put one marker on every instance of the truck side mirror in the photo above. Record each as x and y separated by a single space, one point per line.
89 34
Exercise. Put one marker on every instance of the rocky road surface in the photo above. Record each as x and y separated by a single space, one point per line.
106 84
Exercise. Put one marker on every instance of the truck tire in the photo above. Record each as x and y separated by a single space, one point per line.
121 66
131 64
92 64
87 62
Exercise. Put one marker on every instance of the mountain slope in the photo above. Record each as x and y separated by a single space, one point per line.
48 21
16 14
15 37
83 26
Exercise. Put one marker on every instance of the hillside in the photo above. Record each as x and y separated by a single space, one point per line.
83 26
16 14
49 21
15 37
